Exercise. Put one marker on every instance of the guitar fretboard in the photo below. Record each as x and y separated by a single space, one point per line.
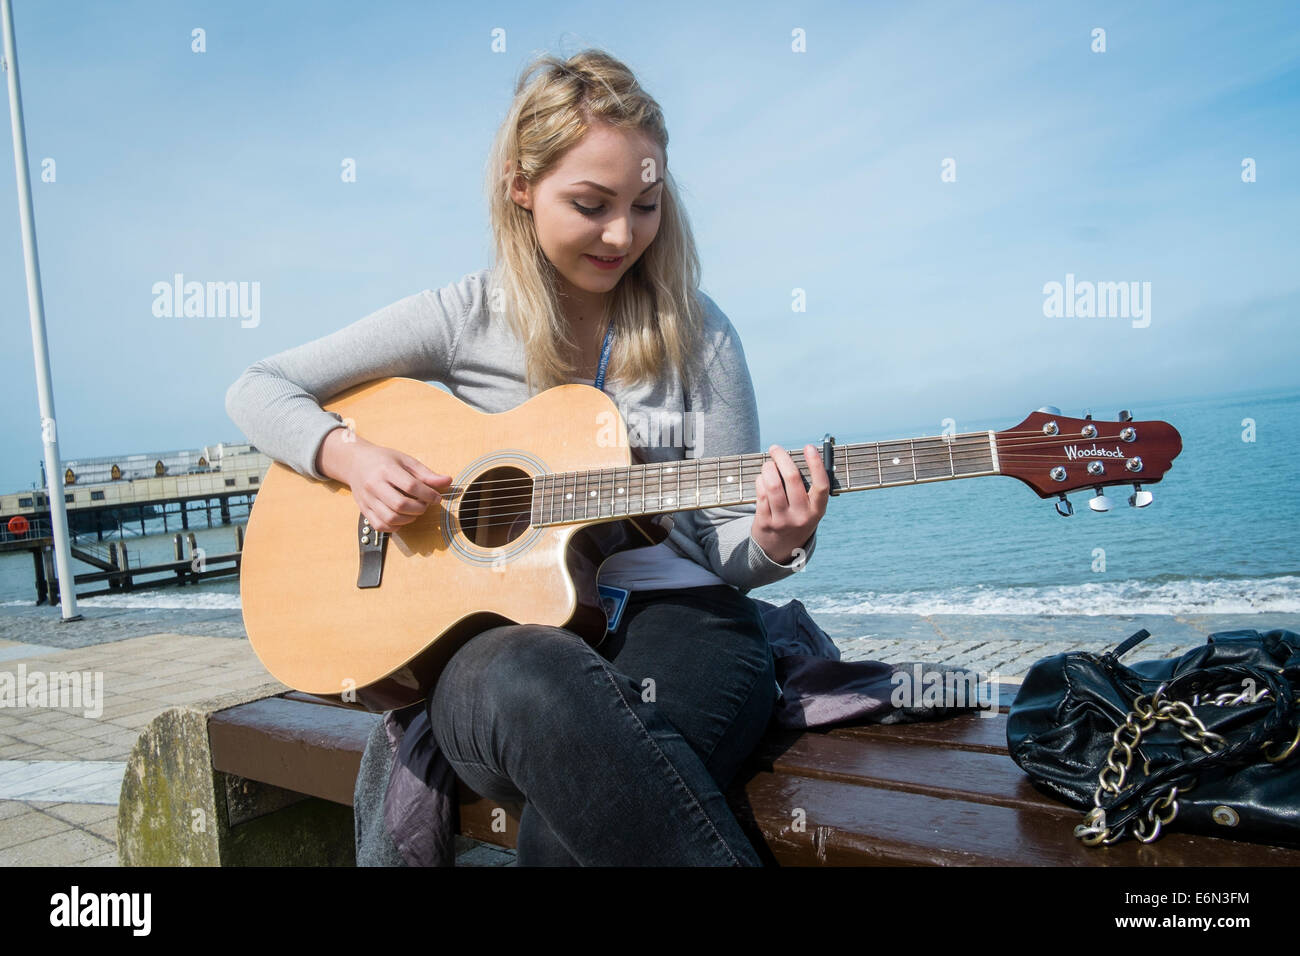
693 483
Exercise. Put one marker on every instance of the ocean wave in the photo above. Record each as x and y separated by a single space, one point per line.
1182 596
163 601
1166 594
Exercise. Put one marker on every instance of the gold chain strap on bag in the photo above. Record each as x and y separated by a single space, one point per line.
1147 712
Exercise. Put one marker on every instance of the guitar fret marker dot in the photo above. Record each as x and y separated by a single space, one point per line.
731 477
895 461
668 501
568 495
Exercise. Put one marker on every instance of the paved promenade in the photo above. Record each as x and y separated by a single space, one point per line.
61 768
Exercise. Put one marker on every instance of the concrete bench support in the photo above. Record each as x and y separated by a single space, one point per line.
176 809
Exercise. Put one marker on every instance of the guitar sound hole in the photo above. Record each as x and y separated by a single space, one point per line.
496 507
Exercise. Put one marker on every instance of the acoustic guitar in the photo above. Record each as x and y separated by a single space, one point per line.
541 496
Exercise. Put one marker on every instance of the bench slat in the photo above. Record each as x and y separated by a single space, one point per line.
852 825
957 775
307 748
969 732
306 698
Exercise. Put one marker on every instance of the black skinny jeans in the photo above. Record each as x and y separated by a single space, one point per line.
619 754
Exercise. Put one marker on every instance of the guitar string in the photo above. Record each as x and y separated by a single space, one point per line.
855 461
972 442
513 517
530 496
864 451
751 468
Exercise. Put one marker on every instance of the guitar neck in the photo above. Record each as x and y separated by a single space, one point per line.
694 483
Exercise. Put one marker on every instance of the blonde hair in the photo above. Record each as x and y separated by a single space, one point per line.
657 315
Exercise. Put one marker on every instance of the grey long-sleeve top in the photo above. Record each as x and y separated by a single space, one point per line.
450 336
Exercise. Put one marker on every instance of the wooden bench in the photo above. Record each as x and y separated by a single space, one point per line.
270 780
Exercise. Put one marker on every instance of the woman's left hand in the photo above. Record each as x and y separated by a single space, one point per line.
786 513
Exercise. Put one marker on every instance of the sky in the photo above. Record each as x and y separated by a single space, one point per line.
881 193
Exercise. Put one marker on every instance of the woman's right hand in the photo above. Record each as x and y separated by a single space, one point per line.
391 488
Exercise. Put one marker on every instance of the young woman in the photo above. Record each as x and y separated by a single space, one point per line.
618 755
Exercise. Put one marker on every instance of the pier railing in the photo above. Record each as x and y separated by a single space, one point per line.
36 528
39 528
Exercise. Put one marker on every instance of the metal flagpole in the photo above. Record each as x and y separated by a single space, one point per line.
36 309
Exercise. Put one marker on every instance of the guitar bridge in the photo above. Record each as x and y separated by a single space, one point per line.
371 545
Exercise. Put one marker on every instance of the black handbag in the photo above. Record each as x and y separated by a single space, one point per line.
1209 738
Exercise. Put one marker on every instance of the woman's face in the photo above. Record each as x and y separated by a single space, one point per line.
600 200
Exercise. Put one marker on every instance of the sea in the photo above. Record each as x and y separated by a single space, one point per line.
1222 537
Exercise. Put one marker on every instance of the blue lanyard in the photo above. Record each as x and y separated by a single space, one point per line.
604 356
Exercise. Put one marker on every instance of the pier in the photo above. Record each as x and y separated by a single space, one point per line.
109 496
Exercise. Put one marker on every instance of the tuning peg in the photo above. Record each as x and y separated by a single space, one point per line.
1050 410
1124 415
1087 414
1100 502
1139 498
1067 510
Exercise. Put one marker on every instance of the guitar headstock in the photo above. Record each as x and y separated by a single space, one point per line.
1054 455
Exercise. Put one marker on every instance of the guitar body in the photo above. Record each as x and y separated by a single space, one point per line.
471 563
542 495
